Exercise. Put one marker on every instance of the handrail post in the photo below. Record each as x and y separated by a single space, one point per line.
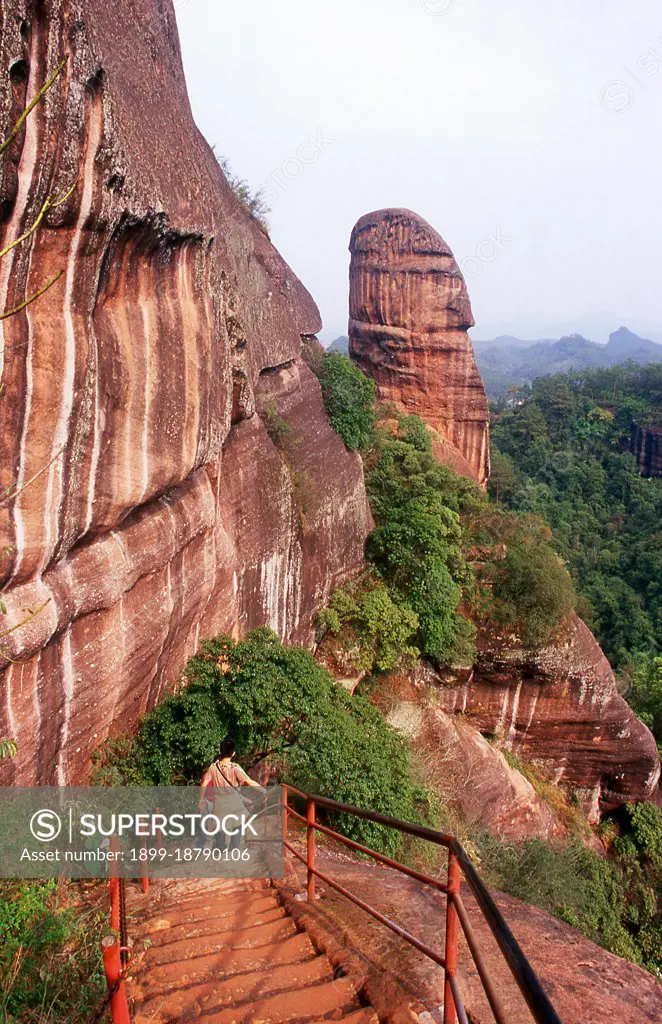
310 848
119 1005
114 887
452 932
144 874
285 820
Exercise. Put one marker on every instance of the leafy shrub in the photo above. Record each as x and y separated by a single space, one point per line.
520 580
532 591
277 428
646 823
252 201
613 901
278 702
379 631
416 544
573 883
351 754
313 353
349 397
304 492
50 962
118 763
413 430
646 694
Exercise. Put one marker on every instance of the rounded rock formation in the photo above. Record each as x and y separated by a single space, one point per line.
409 315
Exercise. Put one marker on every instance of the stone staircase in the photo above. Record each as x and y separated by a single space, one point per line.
224 951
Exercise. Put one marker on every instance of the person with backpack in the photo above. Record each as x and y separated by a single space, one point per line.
223 773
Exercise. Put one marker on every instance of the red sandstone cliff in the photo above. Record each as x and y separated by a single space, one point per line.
646 446
150 507
409 314
559 706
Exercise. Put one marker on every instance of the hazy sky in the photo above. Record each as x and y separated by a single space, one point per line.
534 124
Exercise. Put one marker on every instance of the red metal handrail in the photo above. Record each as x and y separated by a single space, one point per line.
115 950
456 914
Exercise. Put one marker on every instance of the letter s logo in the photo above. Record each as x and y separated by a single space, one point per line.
45 825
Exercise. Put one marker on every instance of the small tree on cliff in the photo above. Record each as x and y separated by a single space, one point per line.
349 399
8 746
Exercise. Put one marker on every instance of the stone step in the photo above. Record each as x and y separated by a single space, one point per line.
310 1004
201 890
199 967
214 898
177 927
222 953
180 1003
182 949
365 1016
218 889
210 908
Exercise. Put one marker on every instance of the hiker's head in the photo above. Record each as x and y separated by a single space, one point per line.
228 748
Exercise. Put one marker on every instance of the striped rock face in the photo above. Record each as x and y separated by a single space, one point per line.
143 505
409 313
646 446
559 707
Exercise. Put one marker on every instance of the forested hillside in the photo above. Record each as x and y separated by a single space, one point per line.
561 452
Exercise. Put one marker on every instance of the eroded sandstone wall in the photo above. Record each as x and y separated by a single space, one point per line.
409 313
409 316
646 446
559 706
145 506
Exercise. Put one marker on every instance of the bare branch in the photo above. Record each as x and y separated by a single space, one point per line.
33 298
30 107
33 614
19 490
50 203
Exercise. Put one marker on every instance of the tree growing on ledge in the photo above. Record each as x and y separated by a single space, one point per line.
279 704
349 399
532 591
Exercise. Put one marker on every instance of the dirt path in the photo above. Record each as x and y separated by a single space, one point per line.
226 952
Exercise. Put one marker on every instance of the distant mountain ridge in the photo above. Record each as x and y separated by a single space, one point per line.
596 326
506 361
339 344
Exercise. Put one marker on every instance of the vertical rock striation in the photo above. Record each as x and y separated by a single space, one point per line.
409 316
145 505
646 446
559 706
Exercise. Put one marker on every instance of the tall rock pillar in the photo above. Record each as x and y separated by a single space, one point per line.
409 316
